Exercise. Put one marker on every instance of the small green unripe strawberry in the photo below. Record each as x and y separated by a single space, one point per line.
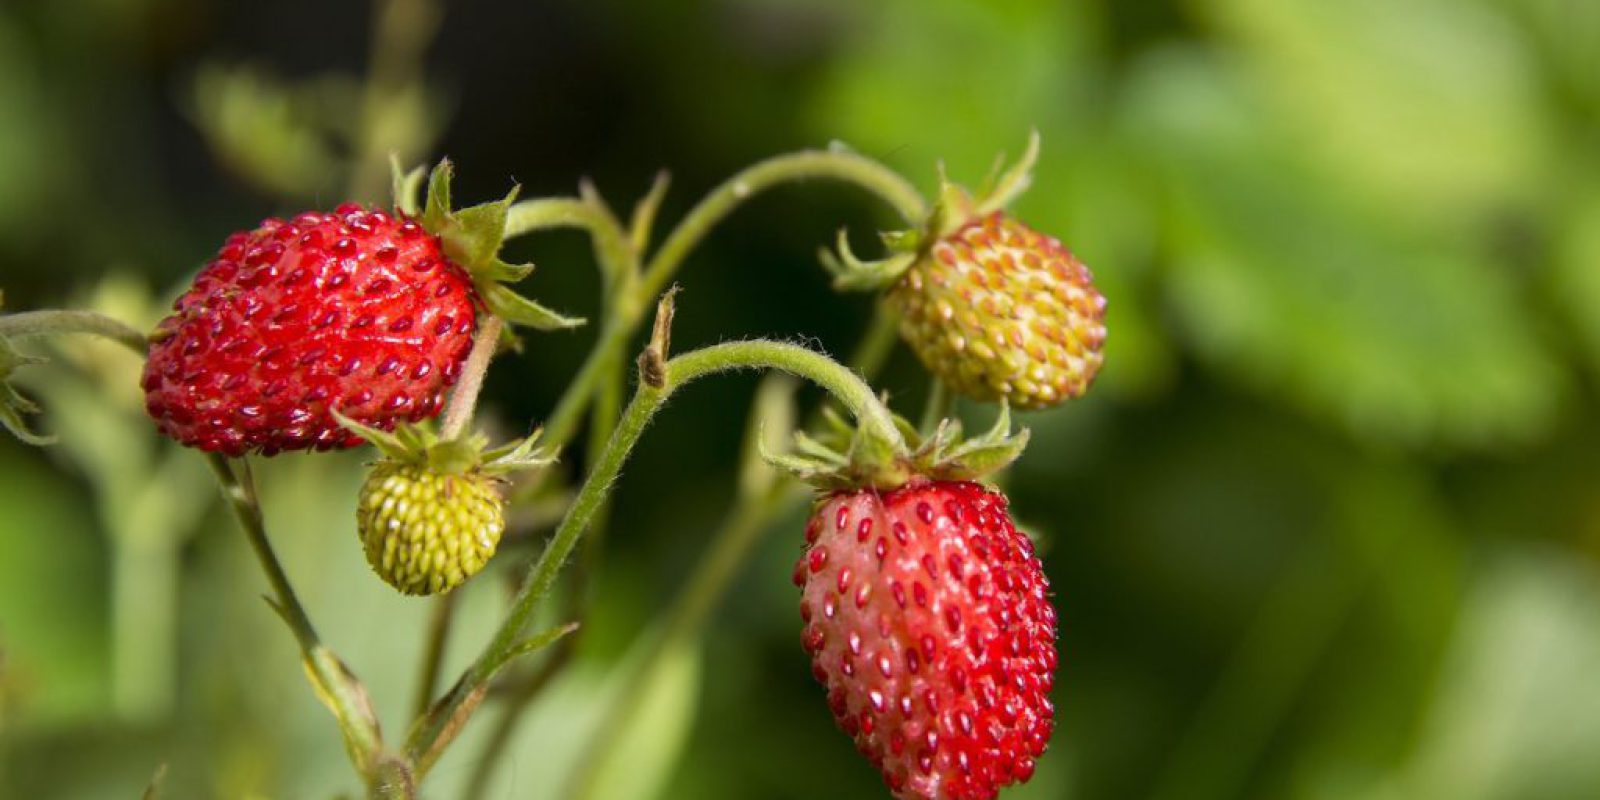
426 531
999 311
430 514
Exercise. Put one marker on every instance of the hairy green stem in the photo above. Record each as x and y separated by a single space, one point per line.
938 406
730 546
465 396
603 421
333 682
612 247
846 386
683 622
659 271
55 321
439 624
839 165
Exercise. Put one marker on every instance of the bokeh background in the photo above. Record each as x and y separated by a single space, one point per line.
1327 527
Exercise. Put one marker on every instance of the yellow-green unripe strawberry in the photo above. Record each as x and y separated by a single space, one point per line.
999 311
996 310
426 531
430 514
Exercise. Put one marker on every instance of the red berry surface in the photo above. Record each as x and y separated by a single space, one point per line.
356 310
928 619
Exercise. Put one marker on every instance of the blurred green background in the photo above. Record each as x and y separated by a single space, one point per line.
1326 527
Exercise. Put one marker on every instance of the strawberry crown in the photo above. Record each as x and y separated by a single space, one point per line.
955 208
848 457
12 404
419 445
472 238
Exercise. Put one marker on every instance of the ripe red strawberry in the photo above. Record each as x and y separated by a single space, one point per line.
362 312
357 310
928 620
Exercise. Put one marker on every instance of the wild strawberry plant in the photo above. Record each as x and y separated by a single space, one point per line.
926 612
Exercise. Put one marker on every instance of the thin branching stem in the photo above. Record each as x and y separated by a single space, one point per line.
51 322
432 734
334 684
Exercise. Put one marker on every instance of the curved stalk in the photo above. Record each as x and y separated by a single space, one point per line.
612 247
433 733
439 624
839 165
658 272
332 680
50 322
738 534
465 396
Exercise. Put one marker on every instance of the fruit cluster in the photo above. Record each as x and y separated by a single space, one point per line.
927 614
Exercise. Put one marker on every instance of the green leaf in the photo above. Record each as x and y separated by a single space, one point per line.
1575 275
275 134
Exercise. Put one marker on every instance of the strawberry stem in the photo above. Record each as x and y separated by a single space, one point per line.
840 165
335 685
55 321
465 397
439 624
434 731
629 308
612 248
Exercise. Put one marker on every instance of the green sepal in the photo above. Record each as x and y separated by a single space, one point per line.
998 193
518 455
159 779
472 238
954 208
392 445
850 273
419 444
948 456
519 310
642 221
14 406
436 212
406 183
845 457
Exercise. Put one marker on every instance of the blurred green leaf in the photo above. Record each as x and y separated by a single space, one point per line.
274 134
1429 108
1508 719
1280 280
26 130
1574 277
638 763
55 667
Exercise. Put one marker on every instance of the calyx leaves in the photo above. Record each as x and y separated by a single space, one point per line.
849 457
472 238
13 406
954 209
418 444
